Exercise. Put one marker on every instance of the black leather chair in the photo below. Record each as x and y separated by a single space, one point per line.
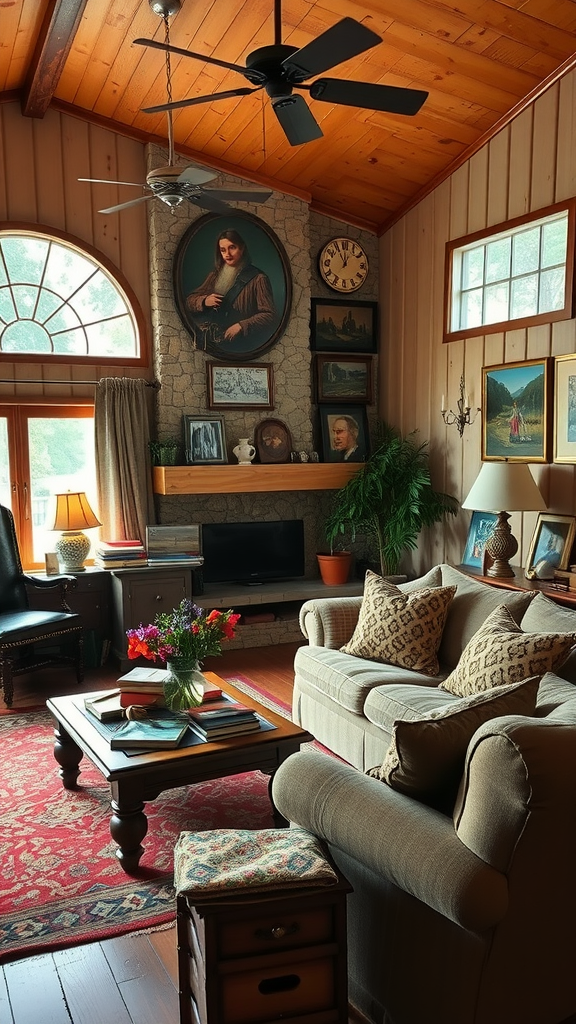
31 639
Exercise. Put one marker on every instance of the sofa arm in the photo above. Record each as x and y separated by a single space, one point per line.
410 844
329 621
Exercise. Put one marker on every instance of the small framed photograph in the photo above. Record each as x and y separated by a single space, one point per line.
205 440
343 325
481 526
551 545
273 441
565 409
248 386
516 412
343 378
344 431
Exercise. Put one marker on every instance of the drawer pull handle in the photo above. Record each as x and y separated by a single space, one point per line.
280 931
158 597
285 983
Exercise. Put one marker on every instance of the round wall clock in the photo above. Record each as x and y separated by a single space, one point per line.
343 264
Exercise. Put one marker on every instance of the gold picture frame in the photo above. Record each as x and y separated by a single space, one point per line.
565 409
551 545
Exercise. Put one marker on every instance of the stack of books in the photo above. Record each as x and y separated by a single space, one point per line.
120 554
145 686
223 719
174 545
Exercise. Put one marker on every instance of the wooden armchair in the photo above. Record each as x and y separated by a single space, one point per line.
31 639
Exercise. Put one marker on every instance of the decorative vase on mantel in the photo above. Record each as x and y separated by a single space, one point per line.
184 687
244 452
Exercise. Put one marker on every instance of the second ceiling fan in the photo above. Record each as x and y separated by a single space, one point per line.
280 68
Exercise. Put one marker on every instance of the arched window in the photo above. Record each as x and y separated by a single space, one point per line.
57 299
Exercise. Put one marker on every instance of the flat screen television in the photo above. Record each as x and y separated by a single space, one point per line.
252 553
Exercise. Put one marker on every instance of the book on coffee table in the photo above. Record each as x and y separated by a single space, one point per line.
149 734
105 706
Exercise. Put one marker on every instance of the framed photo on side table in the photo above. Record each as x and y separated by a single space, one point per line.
343 325
516 412
481 526
551 545
205 440
248 386
565 408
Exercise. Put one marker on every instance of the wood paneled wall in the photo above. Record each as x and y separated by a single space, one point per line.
40 163
527 166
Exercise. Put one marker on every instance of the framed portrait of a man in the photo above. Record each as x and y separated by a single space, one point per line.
232 285
344 431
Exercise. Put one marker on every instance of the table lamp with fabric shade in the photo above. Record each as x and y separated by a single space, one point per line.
499 486
73 514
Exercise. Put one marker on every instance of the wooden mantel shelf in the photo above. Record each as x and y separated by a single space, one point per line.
310 476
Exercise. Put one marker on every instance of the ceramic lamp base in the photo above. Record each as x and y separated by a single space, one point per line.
72 549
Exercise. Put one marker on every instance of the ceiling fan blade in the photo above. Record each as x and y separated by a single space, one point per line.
196 175
239 195
346 39
255 76
199 99
388 98
209 202
106 181
296 119
124 206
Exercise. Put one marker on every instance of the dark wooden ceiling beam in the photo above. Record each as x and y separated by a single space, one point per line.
52 47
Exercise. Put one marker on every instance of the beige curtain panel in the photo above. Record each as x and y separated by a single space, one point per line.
122 428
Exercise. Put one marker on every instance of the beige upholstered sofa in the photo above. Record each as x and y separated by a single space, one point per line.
460 915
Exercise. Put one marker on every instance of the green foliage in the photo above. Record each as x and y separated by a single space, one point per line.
390 499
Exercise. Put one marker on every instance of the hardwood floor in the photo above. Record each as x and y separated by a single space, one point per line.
131 979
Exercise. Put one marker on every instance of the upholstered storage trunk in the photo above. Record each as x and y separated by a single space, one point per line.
259 956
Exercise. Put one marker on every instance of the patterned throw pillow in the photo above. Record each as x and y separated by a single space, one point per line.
425 758
500 653
397 628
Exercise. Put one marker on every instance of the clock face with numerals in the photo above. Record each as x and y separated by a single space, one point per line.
343 265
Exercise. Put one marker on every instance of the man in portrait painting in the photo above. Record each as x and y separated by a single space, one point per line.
346 444
234 306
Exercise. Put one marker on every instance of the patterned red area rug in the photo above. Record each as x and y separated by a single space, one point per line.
61 881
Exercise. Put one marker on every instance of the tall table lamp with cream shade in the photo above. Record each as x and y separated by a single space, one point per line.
73 515
500 486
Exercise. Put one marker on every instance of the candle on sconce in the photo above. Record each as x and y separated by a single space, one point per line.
443 409
467 405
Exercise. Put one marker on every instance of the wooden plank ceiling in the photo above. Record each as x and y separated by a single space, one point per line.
478 59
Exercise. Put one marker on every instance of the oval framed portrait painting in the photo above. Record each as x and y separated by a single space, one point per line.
232 285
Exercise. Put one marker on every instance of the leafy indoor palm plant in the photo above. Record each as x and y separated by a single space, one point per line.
390 499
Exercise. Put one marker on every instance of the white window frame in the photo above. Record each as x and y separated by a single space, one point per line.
479 240
116 279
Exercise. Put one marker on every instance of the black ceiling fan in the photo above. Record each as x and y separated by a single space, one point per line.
280 68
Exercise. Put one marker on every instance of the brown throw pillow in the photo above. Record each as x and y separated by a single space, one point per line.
425 758
500 653
397 628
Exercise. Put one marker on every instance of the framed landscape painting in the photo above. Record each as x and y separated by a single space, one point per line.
516 412
338 325
565 408
204 440
343 378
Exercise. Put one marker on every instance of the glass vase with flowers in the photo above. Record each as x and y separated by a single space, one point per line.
183 638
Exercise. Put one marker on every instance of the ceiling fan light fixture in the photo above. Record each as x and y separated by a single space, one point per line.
165 8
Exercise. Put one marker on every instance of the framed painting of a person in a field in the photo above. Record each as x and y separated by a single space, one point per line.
232 285
516 412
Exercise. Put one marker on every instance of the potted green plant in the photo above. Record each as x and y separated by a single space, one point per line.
164 453
390 499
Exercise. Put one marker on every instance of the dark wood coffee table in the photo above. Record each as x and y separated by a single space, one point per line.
138 778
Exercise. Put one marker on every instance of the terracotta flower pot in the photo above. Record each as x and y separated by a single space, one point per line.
334 569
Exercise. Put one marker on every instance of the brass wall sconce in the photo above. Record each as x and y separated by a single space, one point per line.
464 416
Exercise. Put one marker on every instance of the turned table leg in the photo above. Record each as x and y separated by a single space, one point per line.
128 826
68 755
